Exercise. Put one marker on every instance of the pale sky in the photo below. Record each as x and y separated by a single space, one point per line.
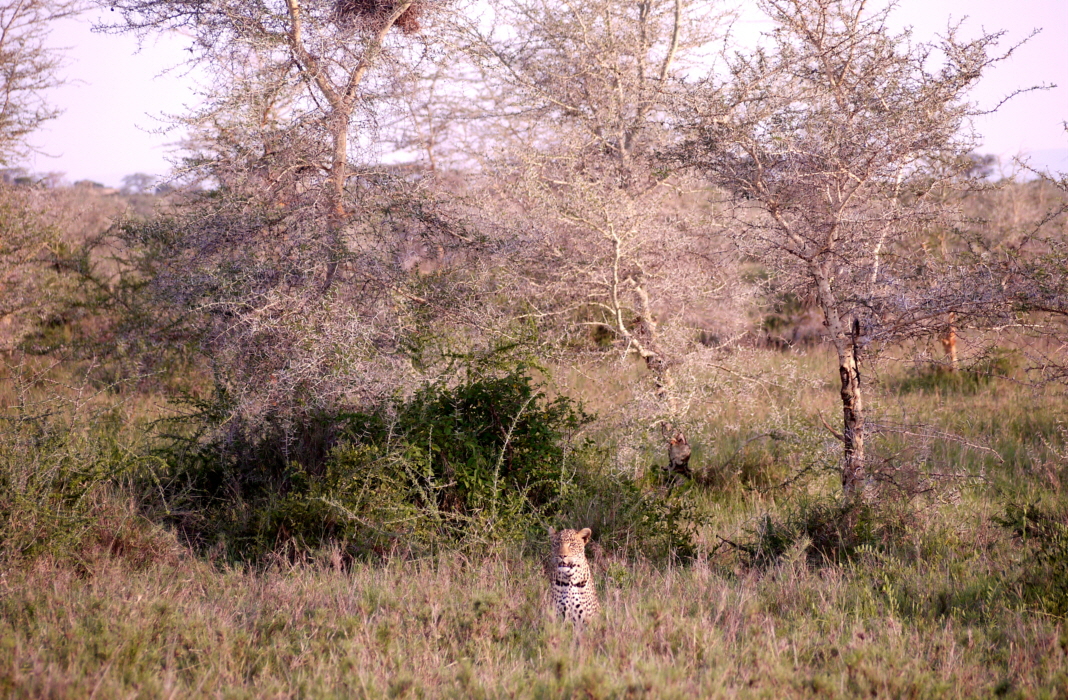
117 98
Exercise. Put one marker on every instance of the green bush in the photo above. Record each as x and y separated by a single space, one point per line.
486 437
831 531
63 489
411 474
633 518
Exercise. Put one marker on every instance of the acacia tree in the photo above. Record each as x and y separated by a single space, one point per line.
28 68
831 141
307 61
293 260
612 258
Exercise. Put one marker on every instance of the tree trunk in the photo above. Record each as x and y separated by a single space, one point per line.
339 173
342 99
846 343
854 474
657 363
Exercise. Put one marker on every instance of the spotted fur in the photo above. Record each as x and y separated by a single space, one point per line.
574 595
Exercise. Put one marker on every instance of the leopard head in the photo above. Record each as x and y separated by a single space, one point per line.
567 563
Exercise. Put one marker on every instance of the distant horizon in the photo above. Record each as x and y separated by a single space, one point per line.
111 125
1053 161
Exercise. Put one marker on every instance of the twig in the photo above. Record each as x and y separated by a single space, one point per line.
742 547
936 434
828 427
792 480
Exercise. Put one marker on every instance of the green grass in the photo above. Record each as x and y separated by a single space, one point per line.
944 626
953 592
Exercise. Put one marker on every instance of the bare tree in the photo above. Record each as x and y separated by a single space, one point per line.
832 142
28 69
613 255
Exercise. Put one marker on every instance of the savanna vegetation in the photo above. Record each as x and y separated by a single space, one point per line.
295 424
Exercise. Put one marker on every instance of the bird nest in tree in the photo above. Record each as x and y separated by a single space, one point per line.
375 11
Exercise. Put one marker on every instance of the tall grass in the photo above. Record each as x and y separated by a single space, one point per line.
479 627
956 589
69 454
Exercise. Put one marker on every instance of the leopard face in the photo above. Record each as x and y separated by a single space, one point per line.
573 593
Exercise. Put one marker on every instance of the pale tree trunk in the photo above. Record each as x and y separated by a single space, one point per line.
339 174
342 100
649 349
643 339
657 362
846 345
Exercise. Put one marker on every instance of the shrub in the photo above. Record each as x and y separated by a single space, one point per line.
410 474
63 489
488 436
831 531
632 518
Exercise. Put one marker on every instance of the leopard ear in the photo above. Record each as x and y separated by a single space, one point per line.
585 533
552 531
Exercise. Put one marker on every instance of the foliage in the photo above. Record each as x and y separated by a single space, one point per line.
1043 575
440 469
828 532
491 435
639 519
406 475
28 69
1024 228
107 311
998 363
31 291
310 274
51 479
614 257
63 466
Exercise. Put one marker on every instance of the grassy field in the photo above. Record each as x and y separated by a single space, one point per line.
959 590
944 625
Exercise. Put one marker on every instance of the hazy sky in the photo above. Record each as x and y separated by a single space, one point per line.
117 98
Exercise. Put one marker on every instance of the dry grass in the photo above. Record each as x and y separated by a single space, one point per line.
939 610
481 628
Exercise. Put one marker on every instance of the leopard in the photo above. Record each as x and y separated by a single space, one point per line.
573 592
